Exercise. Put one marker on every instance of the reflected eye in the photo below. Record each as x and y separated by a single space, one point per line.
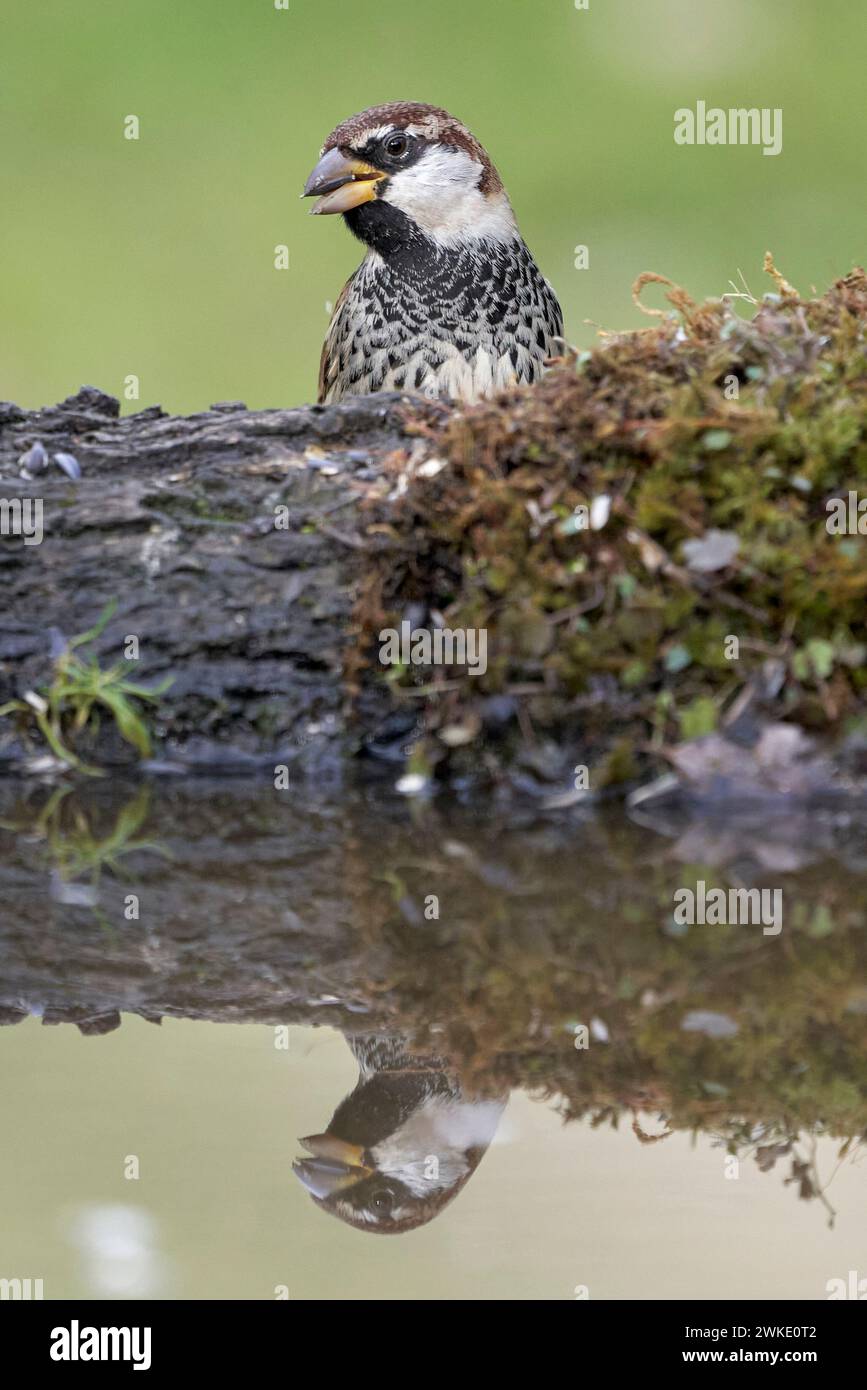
396 146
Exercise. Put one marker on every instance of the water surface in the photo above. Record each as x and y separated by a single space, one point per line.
368 1025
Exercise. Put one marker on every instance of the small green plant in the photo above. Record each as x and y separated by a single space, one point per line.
74 850
78 689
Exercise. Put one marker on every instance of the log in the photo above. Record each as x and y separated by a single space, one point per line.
174 520
658 545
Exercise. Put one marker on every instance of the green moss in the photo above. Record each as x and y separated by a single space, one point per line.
705 422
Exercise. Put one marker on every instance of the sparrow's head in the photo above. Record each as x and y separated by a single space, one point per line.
379 1198
405 170
401 1146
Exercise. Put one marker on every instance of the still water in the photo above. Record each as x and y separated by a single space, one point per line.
490 1044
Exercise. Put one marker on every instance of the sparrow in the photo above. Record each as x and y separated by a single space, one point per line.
402 1144
448 300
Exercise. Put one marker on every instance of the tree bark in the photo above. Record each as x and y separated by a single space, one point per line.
174 519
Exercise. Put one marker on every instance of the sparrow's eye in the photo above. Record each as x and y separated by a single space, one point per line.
396 146
382 1200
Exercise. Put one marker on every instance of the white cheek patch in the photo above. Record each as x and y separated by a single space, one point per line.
441 194
444 1129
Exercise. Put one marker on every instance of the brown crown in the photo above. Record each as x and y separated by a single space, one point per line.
441 128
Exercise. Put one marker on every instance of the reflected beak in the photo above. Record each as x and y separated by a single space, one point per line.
341 182
337 1150
335 1165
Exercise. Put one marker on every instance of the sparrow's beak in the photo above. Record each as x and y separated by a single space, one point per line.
341 182
336 1165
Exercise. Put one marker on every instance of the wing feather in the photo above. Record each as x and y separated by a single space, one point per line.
329 362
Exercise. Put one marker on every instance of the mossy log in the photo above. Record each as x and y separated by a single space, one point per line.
643 539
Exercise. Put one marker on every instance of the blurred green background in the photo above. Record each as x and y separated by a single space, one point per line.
156 257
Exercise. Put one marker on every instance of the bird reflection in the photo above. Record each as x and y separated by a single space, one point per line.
401 1146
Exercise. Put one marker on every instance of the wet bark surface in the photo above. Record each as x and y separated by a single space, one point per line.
174 518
